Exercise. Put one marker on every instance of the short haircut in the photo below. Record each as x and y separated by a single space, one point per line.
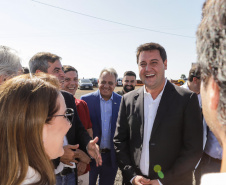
129 73
25 70
152 46
9 61
40 61
195 71
111 71
211 49
68 68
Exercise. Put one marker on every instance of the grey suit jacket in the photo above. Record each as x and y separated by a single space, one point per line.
176 138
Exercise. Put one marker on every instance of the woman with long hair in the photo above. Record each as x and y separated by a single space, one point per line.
33 123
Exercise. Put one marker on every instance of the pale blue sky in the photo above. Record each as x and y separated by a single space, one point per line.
91 44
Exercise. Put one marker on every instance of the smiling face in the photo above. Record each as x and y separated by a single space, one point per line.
56 70
107 83
55 130
129 83
152 69
71 82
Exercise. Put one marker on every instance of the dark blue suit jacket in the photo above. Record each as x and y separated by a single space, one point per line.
93 102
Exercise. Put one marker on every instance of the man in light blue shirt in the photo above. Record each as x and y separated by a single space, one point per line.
103 108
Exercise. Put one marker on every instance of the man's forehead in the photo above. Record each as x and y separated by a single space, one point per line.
71 74
130 77
106 75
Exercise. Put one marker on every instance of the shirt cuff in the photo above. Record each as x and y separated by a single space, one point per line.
132 179
159 182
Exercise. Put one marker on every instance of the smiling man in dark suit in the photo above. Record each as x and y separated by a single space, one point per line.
158 138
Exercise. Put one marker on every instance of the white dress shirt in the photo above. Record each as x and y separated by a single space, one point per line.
61 165
150 110
213 178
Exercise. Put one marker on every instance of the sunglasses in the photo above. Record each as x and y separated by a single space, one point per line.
69 115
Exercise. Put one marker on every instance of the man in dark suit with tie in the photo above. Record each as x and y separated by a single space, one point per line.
103 109
158 138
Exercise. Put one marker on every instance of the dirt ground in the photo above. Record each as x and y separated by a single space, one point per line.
79 93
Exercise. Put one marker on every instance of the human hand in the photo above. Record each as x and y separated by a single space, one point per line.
155 182
69 155
82 156
93 150
139 180
81 168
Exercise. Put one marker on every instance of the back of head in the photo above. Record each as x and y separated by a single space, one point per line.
152 46
40 61
9 62
25 70
26 103
129 73
211 49
195 71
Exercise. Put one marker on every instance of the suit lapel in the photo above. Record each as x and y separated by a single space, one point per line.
139 109
114 114
164 105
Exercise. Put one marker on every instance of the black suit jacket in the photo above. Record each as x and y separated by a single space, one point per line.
77 134
176 138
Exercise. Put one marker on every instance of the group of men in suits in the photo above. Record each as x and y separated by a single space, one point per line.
155 133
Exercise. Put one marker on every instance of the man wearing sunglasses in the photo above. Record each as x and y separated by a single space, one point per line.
65 165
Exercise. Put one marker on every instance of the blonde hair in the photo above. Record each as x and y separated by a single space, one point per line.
26 103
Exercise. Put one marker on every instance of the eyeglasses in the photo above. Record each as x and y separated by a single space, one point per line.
69 115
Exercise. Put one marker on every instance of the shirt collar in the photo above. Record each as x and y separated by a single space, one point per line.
107 100
160 94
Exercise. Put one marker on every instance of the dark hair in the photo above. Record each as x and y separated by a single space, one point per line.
25 70
129 73
40 61
195 71
68 68
152 46
211 38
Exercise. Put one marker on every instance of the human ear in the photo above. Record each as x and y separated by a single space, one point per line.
213 94
165 64
38 71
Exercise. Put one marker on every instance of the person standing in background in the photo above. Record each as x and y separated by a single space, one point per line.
128 82
103 108
71 86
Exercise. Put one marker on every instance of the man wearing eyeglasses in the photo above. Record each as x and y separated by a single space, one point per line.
65 165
